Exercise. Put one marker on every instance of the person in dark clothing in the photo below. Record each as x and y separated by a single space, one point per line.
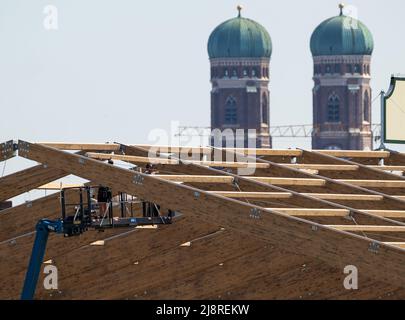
150 209
104 196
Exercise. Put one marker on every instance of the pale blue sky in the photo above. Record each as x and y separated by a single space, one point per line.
115 70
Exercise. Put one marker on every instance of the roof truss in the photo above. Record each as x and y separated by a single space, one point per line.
327 242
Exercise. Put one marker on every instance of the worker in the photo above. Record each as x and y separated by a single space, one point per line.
104 197
150 209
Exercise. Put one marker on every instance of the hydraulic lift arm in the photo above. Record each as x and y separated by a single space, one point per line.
43 228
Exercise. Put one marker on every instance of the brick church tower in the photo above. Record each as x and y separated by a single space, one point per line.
239 50
341 47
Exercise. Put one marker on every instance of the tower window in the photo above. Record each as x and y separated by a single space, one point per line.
226 73
366 108
265 108
333 108
231 111
349 68
245 73
253 72
328 69
357 68
234 73
337 68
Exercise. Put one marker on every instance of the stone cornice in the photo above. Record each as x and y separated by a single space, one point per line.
222 62
341 59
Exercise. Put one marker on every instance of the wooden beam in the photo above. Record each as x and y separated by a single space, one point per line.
355 154
362 172
136 159
304 212
26 180
59 185
334 187
266 152
357 228
298 200
399 214
7 150
396 244
348 197
289 233
301 212
174 149
290 181
196 178
388 168
322 167
82 146
252 195
228 180
275 195
376 183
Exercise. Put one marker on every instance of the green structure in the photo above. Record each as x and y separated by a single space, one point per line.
341 35
239 50
341 47
239 37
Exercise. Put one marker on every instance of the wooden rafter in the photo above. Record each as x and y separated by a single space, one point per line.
297 200
26 180
312 212
323 167
358 228
83 146
59 185
146 160
297 235
333 186
355 154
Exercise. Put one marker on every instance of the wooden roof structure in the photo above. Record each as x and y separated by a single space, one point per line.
286 231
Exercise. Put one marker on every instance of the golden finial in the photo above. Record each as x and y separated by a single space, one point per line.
341 7
239 7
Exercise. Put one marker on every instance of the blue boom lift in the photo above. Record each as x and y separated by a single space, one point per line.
86 217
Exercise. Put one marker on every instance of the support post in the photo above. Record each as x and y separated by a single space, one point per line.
382 145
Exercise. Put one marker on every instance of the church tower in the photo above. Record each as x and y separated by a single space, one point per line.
239 50
341 48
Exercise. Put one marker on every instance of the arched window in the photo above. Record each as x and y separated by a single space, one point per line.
234 73
253 73
333 108
265 108
337 68
226 73
366 107
245 72
231 111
